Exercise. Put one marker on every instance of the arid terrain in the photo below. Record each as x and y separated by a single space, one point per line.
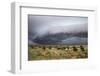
48 52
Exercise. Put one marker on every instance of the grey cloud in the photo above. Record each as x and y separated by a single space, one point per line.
39 26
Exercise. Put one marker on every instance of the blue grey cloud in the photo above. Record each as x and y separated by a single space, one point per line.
48 29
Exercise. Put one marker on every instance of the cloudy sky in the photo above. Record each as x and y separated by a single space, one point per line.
57 29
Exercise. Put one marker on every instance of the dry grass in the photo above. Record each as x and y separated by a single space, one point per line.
42 52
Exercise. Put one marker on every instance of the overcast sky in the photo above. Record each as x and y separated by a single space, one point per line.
42 25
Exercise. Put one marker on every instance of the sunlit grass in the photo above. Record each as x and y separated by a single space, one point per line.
47 52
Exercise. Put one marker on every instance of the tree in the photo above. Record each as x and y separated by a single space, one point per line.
74 48
82 48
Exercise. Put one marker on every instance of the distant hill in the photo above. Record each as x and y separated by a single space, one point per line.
62 38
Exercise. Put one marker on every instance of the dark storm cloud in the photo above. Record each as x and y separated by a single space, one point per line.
39 26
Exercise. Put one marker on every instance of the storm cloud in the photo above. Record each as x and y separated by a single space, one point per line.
57 29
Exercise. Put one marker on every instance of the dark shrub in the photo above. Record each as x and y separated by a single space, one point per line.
74 48
82 48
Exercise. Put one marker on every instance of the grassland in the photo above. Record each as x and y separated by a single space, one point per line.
48 52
